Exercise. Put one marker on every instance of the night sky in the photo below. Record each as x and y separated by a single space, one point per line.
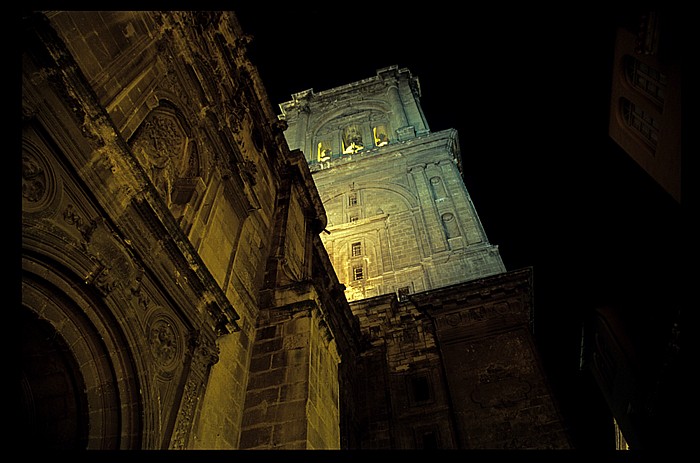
528 91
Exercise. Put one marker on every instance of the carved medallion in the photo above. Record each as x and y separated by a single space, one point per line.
38 184
164 343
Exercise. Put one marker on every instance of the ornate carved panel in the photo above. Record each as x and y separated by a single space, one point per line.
165 151
40 187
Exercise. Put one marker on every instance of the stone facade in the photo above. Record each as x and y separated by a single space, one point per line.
166 230
180 289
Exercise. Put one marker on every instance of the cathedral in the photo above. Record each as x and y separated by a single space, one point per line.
202 271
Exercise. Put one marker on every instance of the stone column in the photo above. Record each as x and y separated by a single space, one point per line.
302 135
300 120
400 119
202 355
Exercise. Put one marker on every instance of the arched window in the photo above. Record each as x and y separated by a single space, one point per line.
352 140
381 135
324 151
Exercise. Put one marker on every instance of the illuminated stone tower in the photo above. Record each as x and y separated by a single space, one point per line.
400 219
447 359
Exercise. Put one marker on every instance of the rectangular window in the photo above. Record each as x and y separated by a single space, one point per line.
640 121
353 218
403 293
352 199
357 272
646 79
356 249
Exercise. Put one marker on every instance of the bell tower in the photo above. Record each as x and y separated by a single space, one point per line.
448 357
400 219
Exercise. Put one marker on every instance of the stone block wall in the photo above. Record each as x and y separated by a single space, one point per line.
404 401
407 207
455 368
500 394
293 394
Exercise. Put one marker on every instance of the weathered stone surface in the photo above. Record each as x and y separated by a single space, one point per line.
155 176
180 289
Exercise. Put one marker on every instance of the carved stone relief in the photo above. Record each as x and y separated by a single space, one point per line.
39 184
165 151
164 343
204 354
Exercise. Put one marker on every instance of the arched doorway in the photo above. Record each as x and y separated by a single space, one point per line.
53 401
78 386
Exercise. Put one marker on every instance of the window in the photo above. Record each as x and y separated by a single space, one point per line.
640 121
403 293
645 79
352 140
357 272
324 151
352 199
356 249
353 218
381 135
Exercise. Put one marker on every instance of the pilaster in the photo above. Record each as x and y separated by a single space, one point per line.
431 220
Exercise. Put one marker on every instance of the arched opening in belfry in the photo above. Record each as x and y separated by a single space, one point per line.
381 135
352 140
324 151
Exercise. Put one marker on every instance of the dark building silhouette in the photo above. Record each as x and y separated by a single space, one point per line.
632 342
645 102
180 289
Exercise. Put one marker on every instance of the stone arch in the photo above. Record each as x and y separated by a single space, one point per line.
367 107
402 192
92 373
396 198
330 128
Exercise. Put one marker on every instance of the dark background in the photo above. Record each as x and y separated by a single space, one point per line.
528 90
